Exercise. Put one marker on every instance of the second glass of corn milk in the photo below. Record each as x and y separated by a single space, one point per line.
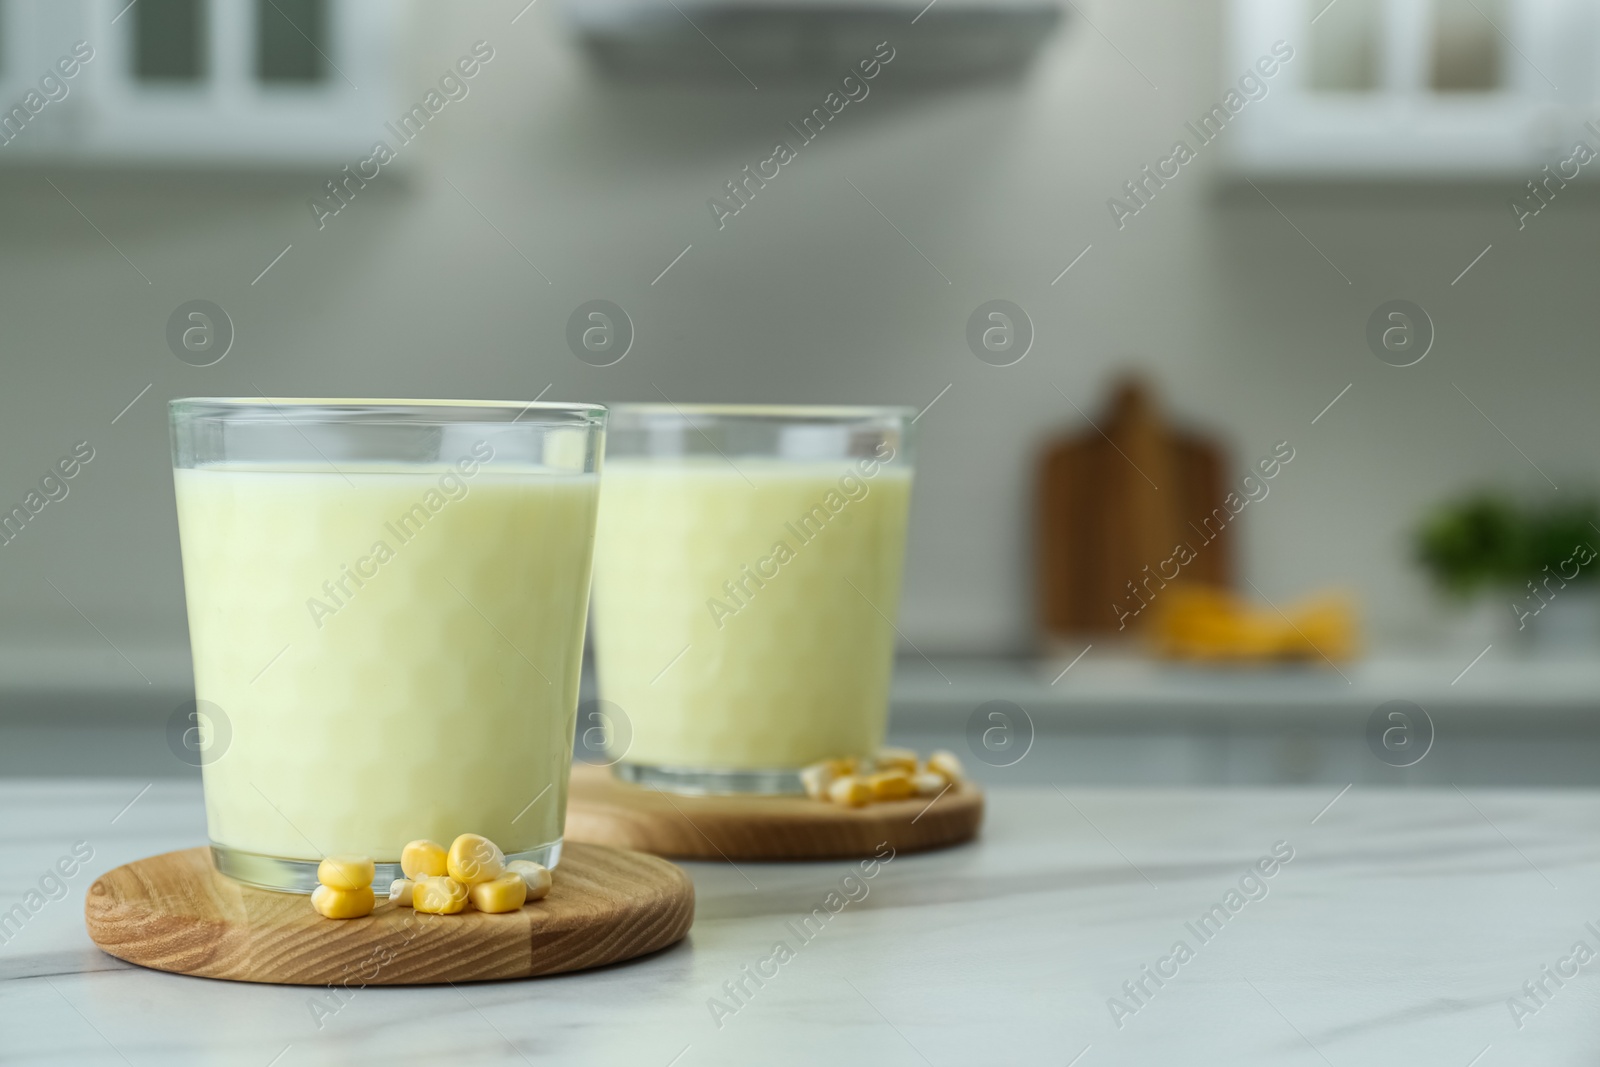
387 601
747 576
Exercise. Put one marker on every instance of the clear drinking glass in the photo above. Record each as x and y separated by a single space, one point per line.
386 608
747 574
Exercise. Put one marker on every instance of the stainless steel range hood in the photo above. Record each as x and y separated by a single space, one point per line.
748 40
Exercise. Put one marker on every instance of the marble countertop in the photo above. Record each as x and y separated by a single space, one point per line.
1419 927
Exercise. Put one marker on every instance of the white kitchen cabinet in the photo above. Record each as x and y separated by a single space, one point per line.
1384 89
203 82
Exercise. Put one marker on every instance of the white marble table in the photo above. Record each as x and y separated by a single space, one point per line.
1396 935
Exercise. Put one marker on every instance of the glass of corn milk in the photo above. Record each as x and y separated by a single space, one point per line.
747 577
386 603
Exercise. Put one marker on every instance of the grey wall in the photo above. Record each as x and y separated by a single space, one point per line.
808 295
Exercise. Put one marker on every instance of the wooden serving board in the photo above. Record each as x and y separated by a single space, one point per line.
174 912
602 810
1114 501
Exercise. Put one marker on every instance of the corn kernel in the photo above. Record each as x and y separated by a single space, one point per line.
345 872
947 766
505 893
928 784
438 895
400 891
334 903
817 777
897 759
536 876
851 791
423 858
890 785
474 858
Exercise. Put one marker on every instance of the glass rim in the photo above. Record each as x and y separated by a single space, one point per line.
774 412
336 407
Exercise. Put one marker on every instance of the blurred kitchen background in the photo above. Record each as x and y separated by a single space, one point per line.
1173 323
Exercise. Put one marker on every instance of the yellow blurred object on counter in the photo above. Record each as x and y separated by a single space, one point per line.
1197 622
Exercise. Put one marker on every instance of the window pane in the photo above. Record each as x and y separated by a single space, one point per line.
1467 45
169 40
1344 45
291 37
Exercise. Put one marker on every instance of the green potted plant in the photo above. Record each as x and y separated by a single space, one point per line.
1472 545
1517 571
1558 597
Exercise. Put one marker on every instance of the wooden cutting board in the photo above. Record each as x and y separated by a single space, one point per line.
603 810
174 912
1117 498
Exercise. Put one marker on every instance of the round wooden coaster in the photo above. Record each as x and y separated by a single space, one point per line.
174 912
604 811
